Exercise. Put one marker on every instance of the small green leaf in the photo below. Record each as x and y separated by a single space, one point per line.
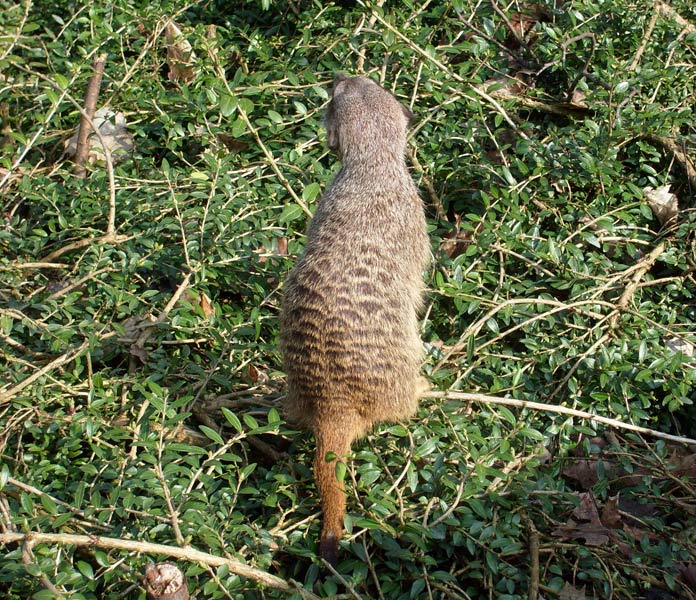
232 419
340 470
228 104
311 192
290 213
212 434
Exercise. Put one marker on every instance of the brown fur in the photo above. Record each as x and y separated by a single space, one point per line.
349 330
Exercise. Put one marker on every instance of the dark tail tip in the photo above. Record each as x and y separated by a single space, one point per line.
328 548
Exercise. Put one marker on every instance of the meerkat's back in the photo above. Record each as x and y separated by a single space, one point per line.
349 332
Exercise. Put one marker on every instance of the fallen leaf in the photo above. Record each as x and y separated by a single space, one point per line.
583 471
571 593
577 98
610 513
256 375
200 299
675 344
586 523
662 202
180 55
688 574
456 241
587 509
233 145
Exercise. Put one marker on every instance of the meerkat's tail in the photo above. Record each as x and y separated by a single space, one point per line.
334 438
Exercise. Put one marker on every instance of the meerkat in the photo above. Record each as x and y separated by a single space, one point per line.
349 315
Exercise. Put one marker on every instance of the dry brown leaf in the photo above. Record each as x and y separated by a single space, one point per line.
180 55
456 242
281 244
282 249
587 509
586 524
571 593
231 143
583 471
255 375
578 98
684 466
662 202
688 574
200 299
610 513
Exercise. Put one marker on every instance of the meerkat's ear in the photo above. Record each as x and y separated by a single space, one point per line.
338 80
332 136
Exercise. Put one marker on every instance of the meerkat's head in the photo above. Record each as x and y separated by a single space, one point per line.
364 122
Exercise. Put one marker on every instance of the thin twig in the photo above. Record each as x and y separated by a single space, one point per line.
533 592
61 360
646 38
643 267
474 328
173 513
665 9
681 157
428 182
511 28
88 115
451 509
272 162
149 330
30 489
103 239
360 62
35 265
29 560
110 236
77 283
458 78
342 579
561 410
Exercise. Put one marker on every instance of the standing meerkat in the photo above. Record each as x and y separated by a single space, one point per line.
349 323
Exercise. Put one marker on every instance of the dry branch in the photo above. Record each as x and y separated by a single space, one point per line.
561 410
190 554
644 42
533 593
643 267
88 115
29 560
680 156
666 10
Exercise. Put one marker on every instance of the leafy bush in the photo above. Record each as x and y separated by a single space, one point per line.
138 306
